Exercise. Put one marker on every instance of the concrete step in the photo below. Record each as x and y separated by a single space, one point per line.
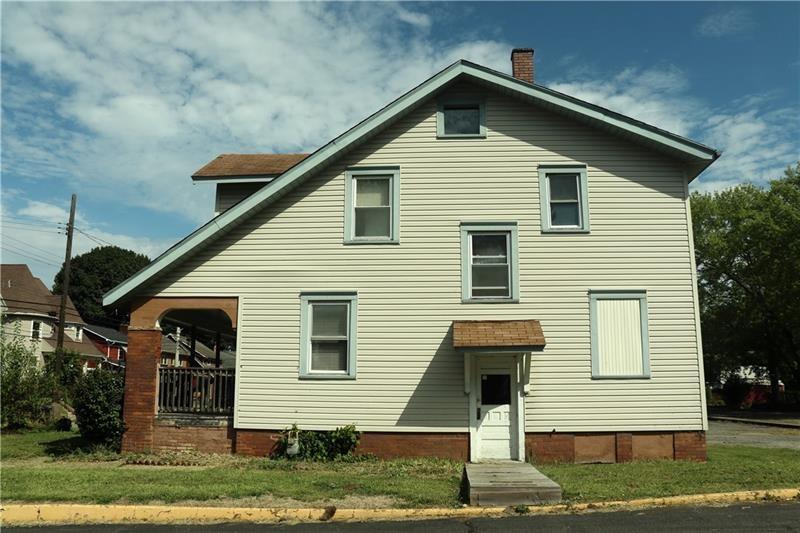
509 483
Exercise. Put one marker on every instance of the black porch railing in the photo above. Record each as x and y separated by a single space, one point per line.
202 391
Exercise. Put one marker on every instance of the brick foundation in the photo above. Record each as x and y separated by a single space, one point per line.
205 435
141 380
615 447
254 442
388 445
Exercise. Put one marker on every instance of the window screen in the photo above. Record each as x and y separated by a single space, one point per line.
490 272
373 207
329 337
462 119
565 210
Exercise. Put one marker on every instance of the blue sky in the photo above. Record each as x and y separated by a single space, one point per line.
122 102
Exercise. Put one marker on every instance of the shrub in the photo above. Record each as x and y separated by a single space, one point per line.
98 407
65 369
63 424
26 389
321 445
735 391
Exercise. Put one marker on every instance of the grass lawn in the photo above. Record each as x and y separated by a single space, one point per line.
41 466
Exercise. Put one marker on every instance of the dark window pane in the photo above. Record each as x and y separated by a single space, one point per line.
329 320
490 293
564 214
462 120
490 276
373 222
489 245
495 389
329 355
563 186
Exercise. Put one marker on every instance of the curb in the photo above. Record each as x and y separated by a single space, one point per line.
787 425
72 514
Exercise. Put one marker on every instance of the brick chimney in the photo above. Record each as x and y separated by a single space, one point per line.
522 64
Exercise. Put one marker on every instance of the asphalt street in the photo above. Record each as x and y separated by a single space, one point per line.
756 517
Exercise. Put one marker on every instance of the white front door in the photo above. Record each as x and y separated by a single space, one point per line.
496 408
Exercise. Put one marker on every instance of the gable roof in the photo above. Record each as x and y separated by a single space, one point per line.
247 165
109 334
486 334
697 156
23 293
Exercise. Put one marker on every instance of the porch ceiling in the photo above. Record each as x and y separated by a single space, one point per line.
498 334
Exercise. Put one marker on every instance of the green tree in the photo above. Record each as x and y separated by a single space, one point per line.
95 273
25 390
747 247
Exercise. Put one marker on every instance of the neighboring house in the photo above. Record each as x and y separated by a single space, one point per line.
180 348
483 269
110 342
29 309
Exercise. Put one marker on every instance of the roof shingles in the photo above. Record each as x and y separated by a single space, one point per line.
497 334
239 165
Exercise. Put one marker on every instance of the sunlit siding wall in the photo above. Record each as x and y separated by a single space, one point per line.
409 377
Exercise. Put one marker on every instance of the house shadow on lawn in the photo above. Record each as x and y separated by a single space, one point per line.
69 445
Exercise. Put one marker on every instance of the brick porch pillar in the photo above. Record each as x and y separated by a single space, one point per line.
141 387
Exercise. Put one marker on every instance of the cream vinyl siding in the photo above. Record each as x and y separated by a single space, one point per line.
409 376
229 194
619 338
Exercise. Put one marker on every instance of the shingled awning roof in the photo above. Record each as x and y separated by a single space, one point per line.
504 334
248 165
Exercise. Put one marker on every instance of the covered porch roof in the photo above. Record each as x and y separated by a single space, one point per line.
523 335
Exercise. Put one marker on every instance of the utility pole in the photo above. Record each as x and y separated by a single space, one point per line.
62 311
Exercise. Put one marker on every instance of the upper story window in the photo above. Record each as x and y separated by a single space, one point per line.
620 344
564 199
36 329
461 119
489 270
328 335
372 213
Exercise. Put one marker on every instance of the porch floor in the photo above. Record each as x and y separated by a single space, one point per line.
509 483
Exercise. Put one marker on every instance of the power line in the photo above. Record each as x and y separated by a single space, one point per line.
27 224
95 238
26 228
30 218
47 252
28 252
7 248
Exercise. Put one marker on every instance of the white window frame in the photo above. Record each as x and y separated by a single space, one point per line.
583 198
33 329
392 173
440 122
307 302
619 294
468 229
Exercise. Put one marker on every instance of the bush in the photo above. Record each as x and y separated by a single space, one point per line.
321 445
65 370
63 424
98 407
734 391
26 389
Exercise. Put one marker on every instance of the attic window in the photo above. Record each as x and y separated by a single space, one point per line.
461 120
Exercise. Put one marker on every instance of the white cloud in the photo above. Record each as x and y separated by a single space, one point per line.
755 138
724 23
130 99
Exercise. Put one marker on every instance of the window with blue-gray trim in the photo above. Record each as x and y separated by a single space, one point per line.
372 211
620 341
564 198
461 119
328 327
489 262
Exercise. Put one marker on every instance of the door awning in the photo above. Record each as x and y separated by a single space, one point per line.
487 335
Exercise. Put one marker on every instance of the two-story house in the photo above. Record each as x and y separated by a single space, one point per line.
484 268
30 310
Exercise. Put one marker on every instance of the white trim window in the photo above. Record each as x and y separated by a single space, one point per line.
36 330
490 264
372 213
328 335
489 267
564 199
